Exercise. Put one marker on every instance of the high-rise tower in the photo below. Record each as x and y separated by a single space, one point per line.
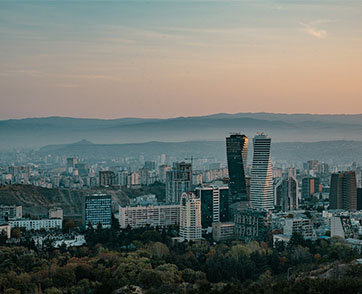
178 181
261 186
237 154
190 217
343 193
286 193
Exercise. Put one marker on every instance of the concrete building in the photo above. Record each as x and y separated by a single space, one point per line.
11 212
286 193
190 217
299 225
162 171
310 187
178 181
97 209
20 174
37 224
223 231
343 192
134 180
107 178
56 212
252 224
152 215
261 186
122 178
214 204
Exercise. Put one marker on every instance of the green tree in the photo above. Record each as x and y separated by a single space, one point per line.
16 233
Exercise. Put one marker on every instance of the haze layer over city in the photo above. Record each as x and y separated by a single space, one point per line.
168 146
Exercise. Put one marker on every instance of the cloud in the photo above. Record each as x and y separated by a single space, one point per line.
311 29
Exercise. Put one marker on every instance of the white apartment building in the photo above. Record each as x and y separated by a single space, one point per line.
153 215
190 217
37 224
299 225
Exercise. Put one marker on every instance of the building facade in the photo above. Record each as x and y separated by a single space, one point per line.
343 192
11 211
252 224
56 212
310 186
286 193
299 225
97 209
151 215
223 231
190 217
37 224
214 204
107 178
237 155
261 186
178 181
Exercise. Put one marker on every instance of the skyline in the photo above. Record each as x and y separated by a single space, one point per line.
102 59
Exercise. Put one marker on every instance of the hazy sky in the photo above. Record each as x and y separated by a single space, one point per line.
113 59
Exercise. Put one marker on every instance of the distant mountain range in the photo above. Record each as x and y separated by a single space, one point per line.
38 132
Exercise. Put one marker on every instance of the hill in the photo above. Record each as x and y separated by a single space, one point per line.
37 200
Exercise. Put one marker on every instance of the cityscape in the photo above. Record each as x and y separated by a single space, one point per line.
50 203
180 147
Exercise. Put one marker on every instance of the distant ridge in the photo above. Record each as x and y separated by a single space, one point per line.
37 132
83 142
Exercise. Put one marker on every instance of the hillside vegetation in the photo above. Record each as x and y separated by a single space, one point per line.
37 200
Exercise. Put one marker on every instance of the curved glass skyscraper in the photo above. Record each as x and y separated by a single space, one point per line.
261 185
237 154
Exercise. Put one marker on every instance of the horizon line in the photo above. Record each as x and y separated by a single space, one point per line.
181 116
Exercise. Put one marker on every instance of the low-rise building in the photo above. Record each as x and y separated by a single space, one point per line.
37 224
252 224
11 211
299 225
223 231
56 212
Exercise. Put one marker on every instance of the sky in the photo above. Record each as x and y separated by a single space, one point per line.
111 59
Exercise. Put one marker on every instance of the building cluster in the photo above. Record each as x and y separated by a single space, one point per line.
11 216
249 201
203 198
